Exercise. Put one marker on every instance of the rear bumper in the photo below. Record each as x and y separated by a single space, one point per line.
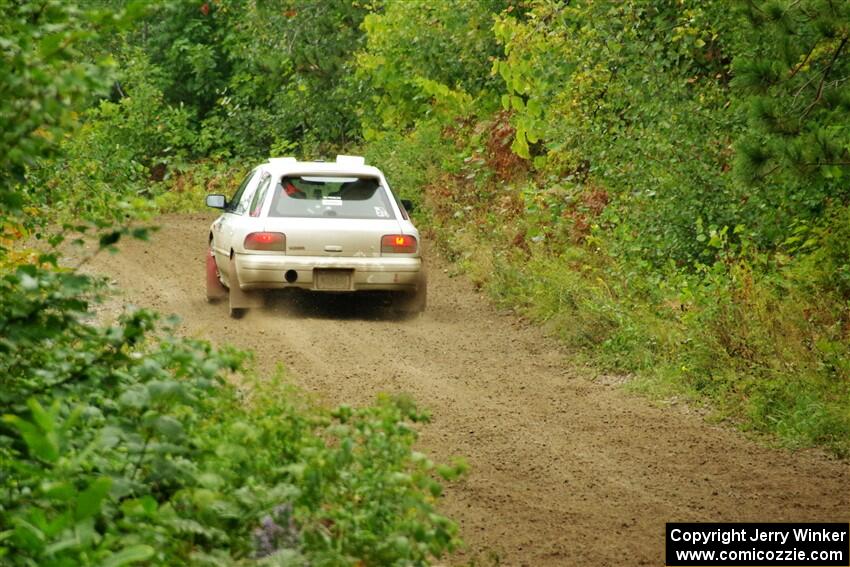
268 271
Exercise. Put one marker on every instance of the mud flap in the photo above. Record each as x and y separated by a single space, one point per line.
412 302
239 299
215 290
420 296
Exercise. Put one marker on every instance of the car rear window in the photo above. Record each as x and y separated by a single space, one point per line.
322 196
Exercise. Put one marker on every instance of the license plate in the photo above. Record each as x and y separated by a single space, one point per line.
333 279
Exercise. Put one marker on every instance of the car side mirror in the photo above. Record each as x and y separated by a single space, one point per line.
216 201
408 205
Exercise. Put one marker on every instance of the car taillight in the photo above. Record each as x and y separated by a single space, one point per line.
398 244
266 241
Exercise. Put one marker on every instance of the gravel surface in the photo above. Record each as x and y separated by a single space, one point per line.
564 469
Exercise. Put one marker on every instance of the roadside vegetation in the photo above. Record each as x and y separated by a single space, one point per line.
664 185
120 442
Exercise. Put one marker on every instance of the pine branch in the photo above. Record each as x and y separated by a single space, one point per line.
825 76
801 89
768 173
837 82
803 62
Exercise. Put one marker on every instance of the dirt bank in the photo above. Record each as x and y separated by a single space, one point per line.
565 470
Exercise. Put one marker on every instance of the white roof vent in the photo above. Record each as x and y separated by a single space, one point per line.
283 160
350 160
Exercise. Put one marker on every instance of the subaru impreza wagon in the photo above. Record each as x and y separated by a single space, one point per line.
321 226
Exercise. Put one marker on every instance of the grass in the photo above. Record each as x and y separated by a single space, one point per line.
762 356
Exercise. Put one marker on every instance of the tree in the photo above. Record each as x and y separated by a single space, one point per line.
44 81
796 77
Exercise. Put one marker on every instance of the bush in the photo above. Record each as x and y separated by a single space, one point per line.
660 188
122 443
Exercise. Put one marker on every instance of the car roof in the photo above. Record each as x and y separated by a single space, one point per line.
344 165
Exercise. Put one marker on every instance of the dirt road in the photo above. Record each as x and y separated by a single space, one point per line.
565 470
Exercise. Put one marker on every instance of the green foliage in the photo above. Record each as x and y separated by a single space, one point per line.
627 96
120 149
661 183
185 188
187 42
411 162
122 443
601 200
44 81
794 71
253 74
425 57
196 79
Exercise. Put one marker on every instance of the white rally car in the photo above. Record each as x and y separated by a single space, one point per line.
321 226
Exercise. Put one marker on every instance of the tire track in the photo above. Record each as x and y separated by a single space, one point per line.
565 470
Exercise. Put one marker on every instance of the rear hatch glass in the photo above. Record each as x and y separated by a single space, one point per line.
346 197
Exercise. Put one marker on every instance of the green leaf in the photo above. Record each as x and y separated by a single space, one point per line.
40 445
110 238
520 145
43 418
61 491
168 427
89 502
137 398
132 554
32 536
69 542
141 233
517 104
